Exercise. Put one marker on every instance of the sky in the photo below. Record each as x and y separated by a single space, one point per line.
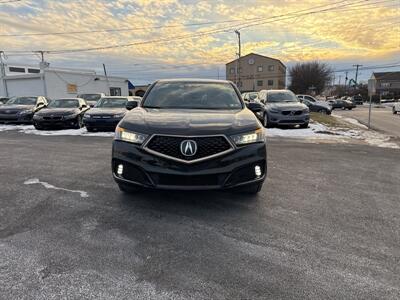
145 40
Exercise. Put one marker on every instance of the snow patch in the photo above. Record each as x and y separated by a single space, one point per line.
314 130
47 185
351 121
30 129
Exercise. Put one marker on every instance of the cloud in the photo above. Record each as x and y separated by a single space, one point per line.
360 31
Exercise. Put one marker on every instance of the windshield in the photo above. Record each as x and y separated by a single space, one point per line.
193 95
22 101
64 103
112 102
253 96
90 97
282 96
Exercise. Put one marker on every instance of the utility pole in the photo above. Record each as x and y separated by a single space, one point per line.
43 65
357 66
108 83
345 82
340 79
3 74
238 61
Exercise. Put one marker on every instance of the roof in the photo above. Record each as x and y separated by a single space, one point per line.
263 56
386 75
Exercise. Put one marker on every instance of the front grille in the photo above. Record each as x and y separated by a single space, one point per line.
52 118
206 146
102 117
292 112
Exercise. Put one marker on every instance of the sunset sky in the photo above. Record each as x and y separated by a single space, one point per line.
185 38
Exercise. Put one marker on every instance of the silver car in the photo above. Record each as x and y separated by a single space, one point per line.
282 107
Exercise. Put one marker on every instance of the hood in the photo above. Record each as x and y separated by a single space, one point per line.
189 121
99 111
286 106
58 111
16 108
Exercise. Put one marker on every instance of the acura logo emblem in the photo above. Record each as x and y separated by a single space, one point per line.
188 147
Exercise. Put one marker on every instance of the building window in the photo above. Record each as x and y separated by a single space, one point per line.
33 71
16 70
114 91
270 82
240 70
271 68
259 68
259 83
385 84
232 70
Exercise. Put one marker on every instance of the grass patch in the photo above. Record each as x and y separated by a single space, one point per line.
326 120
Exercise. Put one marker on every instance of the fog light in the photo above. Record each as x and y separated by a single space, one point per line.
120 169
257 170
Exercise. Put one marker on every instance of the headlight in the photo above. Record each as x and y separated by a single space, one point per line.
70 116
25 112
129 136
86 116
274 111
249 137
37 117
119 116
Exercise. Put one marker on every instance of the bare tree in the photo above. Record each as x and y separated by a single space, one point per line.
310 76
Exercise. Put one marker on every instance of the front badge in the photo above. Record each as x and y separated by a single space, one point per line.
188 147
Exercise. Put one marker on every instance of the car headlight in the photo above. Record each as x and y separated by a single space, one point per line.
118 116
86 116
249 137
129 136
37 117
25 112
70 116
274 111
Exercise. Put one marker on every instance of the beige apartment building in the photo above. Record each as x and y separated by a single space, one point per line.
254 72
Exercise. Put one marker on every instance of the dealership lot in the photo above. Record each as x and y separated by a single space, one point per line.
325 225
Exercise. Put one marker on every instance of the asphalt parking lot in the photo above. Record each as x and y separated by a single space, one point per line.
382 118
325 226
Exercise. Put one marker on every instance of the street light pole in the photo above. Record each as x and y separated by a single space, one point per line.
238 61
3 74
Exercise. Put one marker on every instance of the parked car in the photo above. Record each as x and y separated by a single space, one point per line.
282 107
396 108
357 100
21 109
343 104
190 135
250 96
3 100
315 105
107 112
61 113
91 99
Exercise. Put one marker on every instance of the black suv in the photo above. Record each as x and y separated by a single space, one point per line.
190 135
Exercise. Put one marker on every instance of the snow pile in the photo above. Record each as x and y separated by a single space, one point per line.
314 130
30 129
47 185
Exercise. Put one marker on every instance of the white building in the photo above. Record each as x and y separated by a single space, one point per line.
57 82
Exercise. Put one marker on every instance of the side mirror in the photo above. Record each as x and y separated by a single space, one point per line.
254 106
131 105
83 106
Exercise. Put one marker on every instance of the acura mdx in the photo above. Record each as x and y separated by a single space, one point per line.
190 135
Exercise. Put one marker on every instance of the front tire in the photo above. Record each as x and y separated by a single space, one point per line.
90 129
305 125
251 189
266 123
394 111
128 189
323 111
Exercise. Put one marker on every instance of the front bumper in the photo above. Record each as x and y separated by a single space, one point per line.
55 123
233 169
280 119
16 118
101 124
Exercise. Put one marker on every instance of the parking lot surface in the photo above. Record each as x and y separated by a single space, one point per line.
382 118
325 225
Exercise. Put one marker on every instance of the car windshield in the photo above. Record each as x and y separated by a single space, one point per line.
253 96
90 97
193 95
64 103
112 102
22 101
282 96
